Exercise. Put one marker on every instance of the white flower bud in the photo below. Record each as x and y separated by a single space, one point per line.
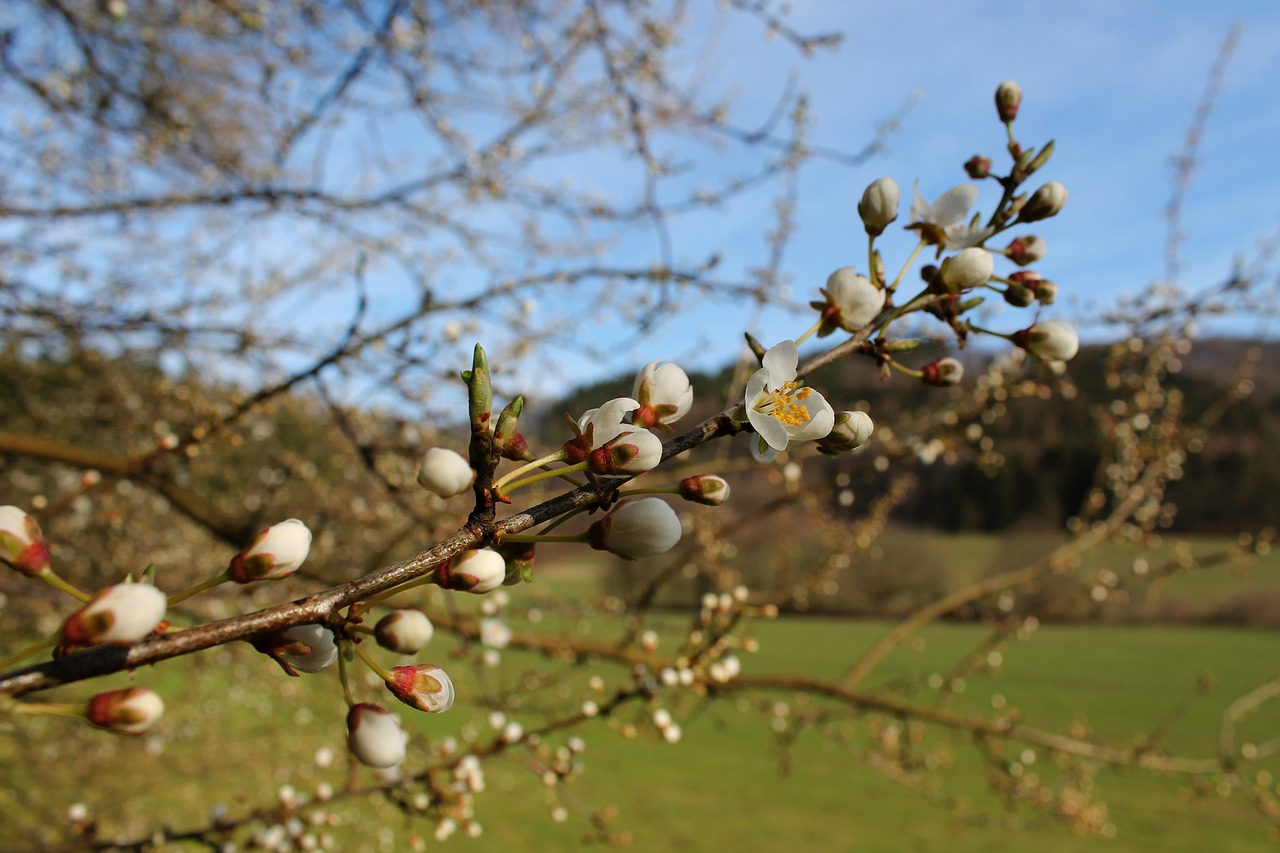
374 735
705 489
664 393
118 615
21 543
851 431
967 269
426 687
853 300
274 554
1026 250
445 473
474 571
636 529
879 205
1044 202
404 631
944 371
1008 99
130 711
1050 340
302 648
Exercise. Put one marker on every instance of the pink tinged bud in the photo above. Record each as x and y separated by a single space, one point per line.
21 543
967 269
879 205
426 687
404 631
944 371
1044 203
1008 99
636 529
853 300
630 452
131 711
275 553
1050 340
445 473
374 735
475 571
1027 250
978 166
664 393
302 648
851 431
118 615
705 489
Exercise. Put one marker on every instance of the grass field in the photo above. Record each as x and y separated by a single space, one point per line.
236 731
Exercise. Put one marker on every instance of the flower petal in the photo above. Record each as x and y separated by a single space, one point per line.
821 419
953 205
768 428
780 363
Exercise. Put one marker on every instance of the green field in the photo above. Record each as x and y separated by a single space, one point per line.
236 730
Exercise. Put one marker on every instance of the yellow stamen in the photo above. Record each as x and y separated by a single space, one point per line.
780 404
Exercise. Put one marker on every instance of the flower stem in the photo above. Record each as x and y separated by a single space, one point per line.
342 675
815 327
902 368
373 664
61 709
542 475
561 520
18 657
871 258
55 580
911 260
983 331
558 456
217 580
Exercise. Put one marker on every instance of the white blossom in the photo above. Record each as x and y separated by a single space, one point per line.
780 411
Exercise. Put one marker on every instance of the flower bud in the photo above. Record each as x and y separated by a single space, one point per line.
705 489
426 687
943 372
1008 99
1046 291
851 431
445 473
1044 202
519 557
473 571
275 553
404 631
636 529
302 648
633 451
1050 340
374 735
967 269
118 615
1019 296
1026 250
879 205
21 543
664 393
130 711
978 166
852 301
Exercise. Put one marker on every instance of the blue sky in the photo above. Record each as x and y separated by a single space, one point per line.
1114 83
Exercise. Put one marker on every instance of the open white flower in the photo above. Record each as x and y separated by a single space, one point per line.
781 412
664 394
943 222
